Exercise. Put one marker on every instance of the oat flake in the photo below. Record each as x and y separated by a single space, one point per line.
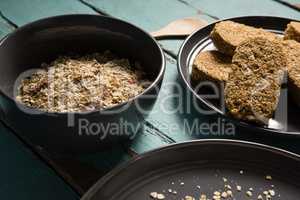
86 83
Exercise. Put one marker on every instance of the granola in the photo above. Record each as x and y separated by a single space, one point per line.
77 84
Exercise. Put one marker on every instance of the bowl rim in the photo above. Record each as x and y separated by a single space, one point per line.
239 122
153 84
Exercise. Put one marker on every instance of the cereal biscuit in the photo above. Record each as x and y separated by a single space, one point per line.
227 35
292 32
211 66
292 49
253 89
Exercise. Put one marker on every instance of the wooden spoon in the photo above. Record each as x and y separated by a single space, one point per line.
181 27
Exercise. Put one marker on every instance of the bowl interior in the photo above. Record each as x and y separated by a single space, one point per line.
46 39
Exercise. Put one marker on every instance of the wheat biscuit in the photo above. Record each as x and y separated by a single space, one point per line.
292 50
292 32
253 88
227 35
211 66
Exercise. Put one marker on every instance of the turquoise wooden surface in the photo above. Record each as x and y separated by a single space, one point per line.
233 8
5 27
293 1
24 176
21 12
149 15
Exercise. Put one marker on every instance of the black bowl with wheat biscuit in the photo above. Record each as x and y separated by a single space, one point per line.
43 41
285 125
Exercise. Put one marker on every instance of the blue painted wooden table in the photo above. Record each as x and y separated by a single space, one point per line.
30 173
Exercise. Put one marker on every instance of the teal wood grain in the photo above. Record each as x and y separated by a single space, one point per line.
234 8
25 11
106 160
24 176
147 141
293 1
150 15
5 28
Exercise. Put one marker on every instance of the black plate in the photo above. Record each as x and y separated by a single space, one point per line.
203 163
200 41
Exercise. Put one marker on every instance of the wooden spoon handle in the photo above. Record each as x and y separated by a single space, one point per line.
181 27
162 34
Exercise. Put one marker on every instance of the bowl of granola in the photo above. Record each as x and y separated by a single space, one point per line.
78 83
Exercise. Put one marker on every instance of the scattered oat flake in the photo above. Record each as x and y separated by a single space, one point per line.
153 195
272 192
189 198
229 193
228 187
160 196
203 197
268 177
265 193
249 193
224 195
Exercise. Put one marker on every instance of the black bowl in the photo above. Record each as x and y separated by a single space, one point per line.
43 41
199 41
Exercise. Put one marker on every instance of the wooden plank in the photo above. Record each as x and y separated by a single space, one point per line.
150 15
24 176
81 172
294 4
233 8
293 1
145 15
25 11
5 27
